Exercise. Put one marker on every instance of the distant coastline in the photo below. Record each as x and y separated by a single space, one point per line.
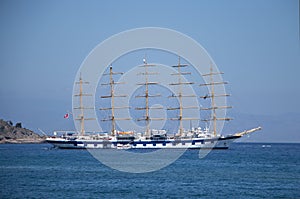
16 134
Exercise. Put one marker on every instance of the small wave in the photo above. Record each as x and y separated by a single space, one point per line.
266 146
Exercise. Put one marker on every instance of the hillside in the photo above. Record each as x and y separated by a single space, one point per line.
16 134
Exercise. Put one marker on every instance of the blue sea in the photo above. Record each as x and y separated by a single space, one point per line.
243 171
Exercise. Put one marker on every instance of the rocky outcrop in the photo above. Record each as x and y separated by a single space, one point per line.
16 134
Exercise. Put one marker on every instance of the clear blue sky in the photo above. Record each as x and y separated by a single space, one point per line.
256 44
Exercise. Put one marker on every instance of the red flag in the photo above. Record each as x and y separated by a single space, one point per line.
66 116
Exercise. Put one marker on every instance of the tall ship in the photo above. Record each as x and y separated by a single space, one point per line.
194 138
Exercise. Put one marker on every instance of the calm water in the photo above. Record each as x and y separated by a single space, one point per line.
244 171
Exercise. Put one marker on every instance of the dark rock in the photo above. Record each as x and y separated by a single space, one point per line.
19 125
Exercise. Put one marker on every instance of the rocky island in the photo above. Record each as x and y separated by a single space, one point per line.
10 133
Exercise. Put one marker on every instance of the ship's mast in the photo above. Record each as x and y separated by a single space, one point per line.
81 106
146 95
213 96
112 95
180 95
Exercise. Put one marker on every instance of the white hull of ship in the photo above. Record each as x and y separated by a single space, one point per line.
221 143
